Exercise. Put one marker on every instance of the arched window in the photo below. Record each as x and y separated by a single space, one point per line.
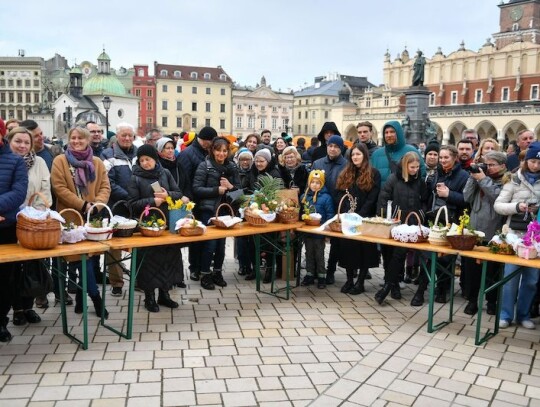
207 75
222 77
141 72
163 72
177 74
194 75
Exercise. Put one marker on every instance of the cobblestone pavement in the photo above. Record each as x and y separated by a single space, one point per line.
234 347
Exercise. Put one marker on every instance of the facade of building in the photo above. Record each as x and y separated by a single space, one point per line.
495 90
144 87
20 86
191 97
260 108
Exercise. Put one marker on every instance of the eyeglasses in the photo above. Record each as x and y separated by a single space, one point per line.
492 165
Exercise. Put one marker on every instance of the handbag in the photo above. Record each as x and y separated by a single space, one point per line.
437 234
34 280
234 198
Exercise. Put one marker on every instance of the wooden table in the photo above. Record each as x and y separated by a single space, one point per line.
132 244
15 253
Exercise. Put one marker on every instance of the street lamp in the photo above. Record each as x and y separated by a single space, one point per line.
287 125
106 105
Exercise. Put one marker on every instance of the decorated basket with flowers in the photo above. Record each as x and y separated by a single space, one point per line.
335 226
189 226
260 208
463 236
503 242
529 246
310 215
288 211
98 229
150 224
177 210
73 229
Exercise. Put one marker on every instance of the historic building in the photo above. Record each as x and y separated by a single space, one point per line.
191 97
144 87
259 108
495 90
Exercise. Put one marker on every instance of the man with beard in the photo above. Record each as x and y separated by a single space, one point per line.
465 149
472 135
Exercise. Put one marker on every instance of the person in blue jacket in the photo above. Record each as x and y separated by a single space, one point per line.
316 196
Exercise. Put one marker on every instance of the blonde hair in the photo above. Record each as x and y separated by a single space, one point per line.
81 130
408 158
480 156
287 151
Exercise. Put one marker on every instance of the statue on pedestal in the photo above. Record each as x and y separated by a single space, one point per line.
418 67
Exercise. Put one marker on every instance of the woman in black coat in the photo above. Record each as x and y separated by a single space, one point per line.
408 193
363 182
214 177
158 266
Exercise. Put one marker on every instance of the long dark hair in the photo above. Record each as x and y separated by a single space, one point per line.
362 175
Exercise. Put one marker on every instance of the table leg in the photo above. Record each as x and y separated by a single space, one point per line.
62 287
132 280
257 265
449 271
432 283
84 301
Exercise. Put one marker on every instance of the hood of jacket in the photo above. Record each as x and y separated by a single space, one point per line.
400 136
326 127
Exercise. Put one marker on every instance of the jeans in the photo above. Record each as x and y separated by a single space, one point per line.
522 287
211 249
91 285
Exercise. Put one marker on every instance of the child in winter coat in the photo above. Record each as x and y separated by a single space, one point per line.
316 196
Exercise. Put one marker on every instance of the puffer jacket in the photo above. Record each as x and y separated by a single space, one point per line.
517 190
13 184
189 160
206 183
455 180
332 169
119 165
254 175
324 205
481 196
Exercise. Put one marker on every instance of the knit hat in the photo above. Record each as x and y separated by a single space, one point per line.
315 174
147 150
335 140
533 151
160 144
207 133
432 147
244 152
286 137
264 153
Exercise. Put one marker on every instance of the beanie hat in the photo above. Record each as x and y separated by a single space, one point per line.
286 137
533 151
244 152
207 133
160 145
431 147
315 174
335 140
147 150
264 153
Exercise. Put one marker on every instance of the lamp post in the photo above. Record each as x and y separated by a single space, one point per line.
287 125
106 105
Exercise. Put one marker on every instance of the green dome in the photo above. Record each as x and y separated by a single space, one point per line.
76 69
103 84
104 56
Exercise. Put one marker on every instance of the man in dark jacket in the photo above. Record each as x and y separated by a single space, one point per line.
365 135
118 161
524 139
328 130
189 159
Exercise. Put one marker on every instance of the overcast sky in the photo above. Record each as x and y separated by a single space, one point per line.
288 41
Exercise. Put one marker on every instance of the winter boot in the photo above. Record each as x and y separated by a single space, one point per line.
206 282
349 283
267 275
5 336
195 275
395 292
358 287
383 292
408 275
330 279
321 283
98 305
217 278
165 299
308 280
150 301
78 301
418 298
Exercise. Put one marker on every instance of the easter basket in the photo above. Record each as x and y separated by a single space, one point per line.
74 231
37 234
437 234
150 228
127 226
98 230
225 222
335 226
289 211
406 233
191 229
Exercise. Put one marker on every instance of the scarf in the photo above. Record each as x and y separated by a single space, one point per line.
85 172
531 177
29 159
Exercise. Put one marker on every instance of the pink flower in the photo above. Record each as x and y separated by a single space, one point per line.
533 233
146 210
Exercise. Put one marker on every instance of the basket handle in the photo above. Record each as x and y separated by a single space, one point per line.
93 206
347 195
126 204
79 217
226 205
288 201
31 200
155 209
417 218
438 214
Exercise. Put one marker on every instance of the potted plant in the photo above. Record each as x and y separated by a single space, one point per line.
177 210
527 248
260 208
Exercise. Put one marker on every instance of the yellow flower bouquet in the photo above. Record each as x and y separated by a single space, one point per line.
178 210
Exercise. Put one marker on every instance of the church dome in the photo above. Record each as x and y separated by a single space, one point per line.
103 84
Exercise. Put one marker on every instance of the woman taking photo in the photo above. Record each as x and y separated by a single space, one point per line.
213 179
362 181
39 180
79 180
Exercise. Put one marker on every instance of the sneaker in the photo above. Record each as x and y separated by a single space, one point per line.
503 324
42 302
116 291
308 280
194 276
527 324
321 283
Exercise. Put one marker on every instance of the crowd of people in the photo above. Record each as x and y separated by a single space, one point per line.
204 168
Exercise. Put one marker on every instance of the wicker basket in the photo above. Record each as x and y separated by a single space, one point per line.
192 230
289 216
312 222
124 230
462 242
335 226
78 221
38 234
152 232
98 234
253 220
419 236
218 223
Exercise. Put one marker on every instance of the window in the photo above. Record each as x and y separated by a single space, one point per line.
222 124
534 92
36 83
194 106
386 101
274 109
27 83
239 122
3 84
432 99
251 122
194 122
208 107
179 89
140 72
208 91
263 122
305 114
2 99
326 114
28 97
505 94
300 104
299 115
193 75
207 75
313 114
250 107
305 128
274 124
177 74
19 83
307 103
239 107
326 101
19 97
478 96
179 122
10 83
222 91
194 90
11 97
179 106
36 97
222 108
164 121
313 129
149 120
164 104
138 92
299 128
453 98
148 105
163 72
263 108
284 124
164 88
207 122
222 77
149 93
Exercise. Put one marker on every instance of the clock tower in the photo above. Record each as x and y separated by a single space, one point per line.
519 21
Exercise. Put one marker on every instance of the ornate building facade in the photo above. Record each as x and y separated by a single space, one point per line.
144 87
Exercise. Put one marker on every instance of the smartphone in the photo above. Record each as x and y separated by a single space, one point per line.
155 186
